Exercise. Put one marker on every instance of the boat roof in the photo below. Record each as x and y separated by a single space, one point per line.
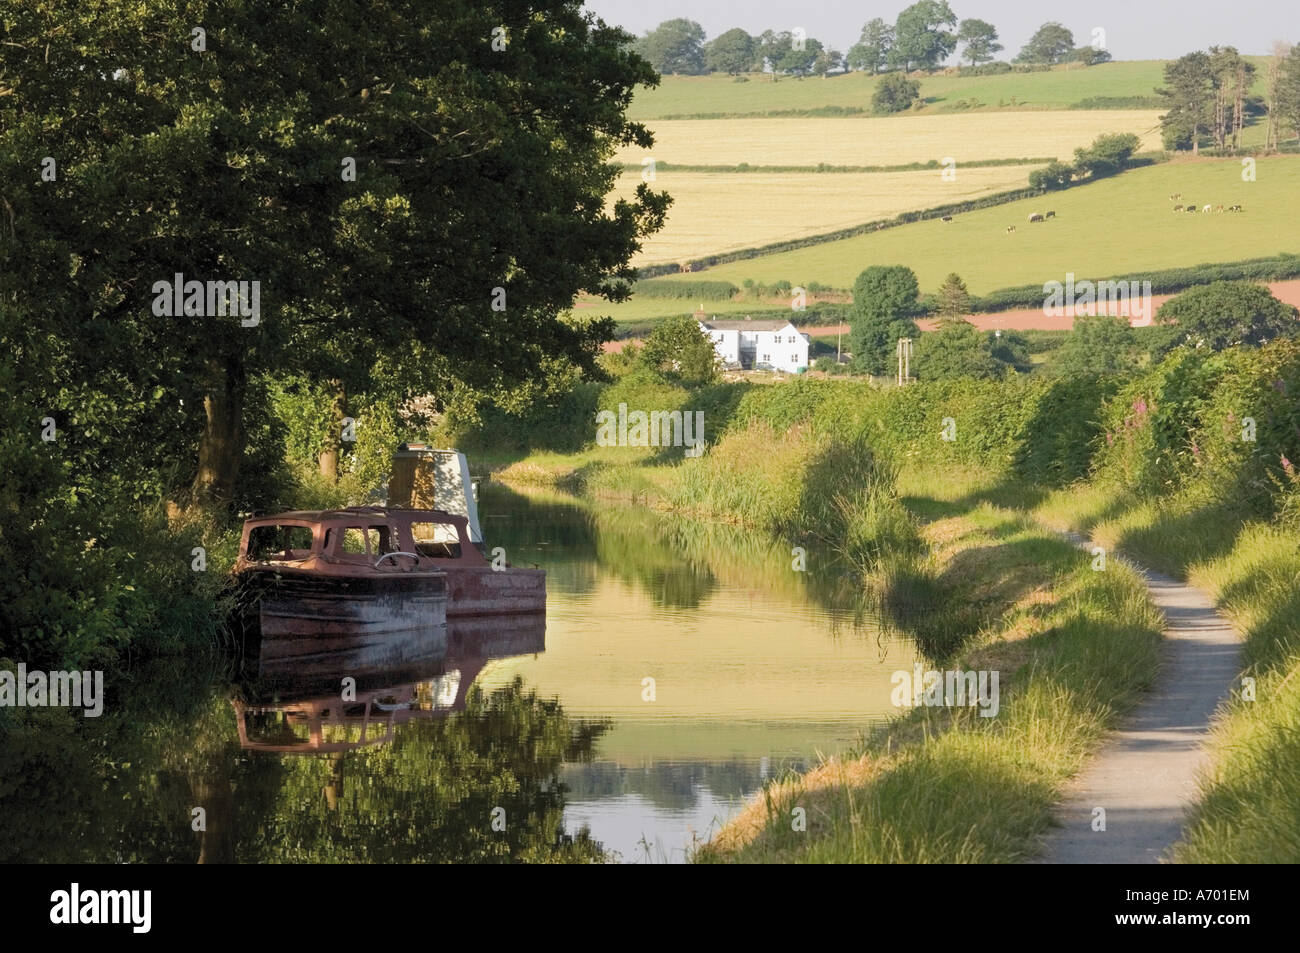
351 513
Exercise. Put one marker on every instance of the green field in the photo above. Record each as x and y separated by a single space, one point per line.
1117 226
1062 88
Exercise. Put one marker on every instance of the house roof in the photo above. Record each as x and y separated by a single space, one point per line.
745 325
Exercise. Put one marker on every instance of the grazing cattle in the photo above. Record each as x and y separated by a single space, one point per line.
1234 208
1206 209
1011 228
1218 208
1035 217
946 218
1176 196
1050 215
1191 208
1178 208
685 267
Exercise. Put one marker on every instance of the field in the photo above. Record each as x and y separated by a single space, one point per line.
1113 227
887 141
1062 88
722 212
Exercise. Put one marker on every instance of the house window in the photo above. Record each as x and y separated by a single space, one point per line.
767 358
794 358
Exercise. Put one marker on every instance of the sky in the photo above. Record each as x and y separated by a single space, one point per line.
1135 29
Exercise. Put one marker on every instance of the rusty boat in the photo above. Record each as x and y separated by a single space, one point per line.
374 584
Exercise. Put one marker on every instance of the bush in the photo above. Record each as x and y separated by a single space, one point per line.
1227 314
895 93
1055 175
693 290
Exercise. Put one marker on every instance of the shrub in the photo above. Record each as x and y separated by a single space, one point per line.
895 93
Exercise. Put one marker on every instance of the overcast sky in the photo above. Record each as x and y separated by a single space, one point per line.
1135 29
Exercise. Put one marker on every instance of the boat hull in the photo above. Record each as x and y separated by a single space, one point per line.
351 624
480 591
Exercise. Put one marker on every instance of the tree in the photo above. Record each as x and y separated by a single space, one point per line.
871 52
731 52
953 299
1052 44
1288 91
1188 91
1107 155
894 93
955 349
1100 344
230 165
1011 349
1226 314
885 301
1231 76
1054 175
827 60
1272 89
675 46
1089 56
980 39
680 350
798 62
920 39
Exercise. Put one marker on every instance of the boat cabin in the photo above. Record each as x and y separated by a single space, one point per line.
366 538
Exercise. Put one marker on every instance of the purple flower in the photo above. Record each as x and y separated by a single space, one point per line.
1287 466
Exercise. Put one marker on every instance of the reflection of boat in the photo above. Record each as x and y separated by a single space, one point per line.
310 715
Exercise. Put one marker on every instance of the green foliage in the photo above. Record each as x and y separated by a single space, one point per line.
953 300
1055 175
894 93
871 52
920 40
701 290
1107 155
680 350
980 40
885 299
674 46
1102 344
1227 314
1051 43
730 52
955 349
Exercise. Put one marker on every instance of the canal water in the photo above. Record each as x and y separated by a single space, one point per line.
680 665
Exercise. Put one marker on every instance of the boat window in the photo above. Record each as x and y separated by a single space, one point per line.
267 543
436 539
354 541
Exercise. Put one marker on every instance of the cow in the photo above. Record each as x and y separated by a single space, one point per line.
1050 215
1206 209
1178 208
1218 208
685 267
1010 229
1191 208
1035 217
946 218
1234 208
1176 196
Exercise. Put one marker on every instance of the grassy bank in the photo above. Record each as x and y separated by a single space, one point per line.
1073 648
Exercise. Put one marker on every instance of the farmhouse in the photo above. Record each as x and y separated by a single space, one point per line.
749 344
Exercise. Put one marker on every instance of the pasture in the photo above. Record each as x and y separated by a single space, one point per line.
1060 88
716 212
895 140
1117 226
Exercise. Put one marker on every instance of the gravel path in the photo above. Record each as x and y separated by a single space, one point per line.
1145 774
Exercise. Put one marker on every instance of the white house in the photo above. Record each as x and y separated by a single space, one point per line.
749 344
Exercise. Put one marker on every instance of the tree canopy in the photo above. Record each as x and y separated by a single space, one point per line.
1052 43
675 46
920 38
1226 314
885 301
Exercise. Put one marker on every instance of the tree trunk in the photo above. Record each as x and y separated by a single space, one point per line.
329 457
221 448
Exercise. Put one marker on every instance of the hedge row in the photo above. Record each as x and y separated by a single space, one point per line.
699 290
906 218
1166 281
